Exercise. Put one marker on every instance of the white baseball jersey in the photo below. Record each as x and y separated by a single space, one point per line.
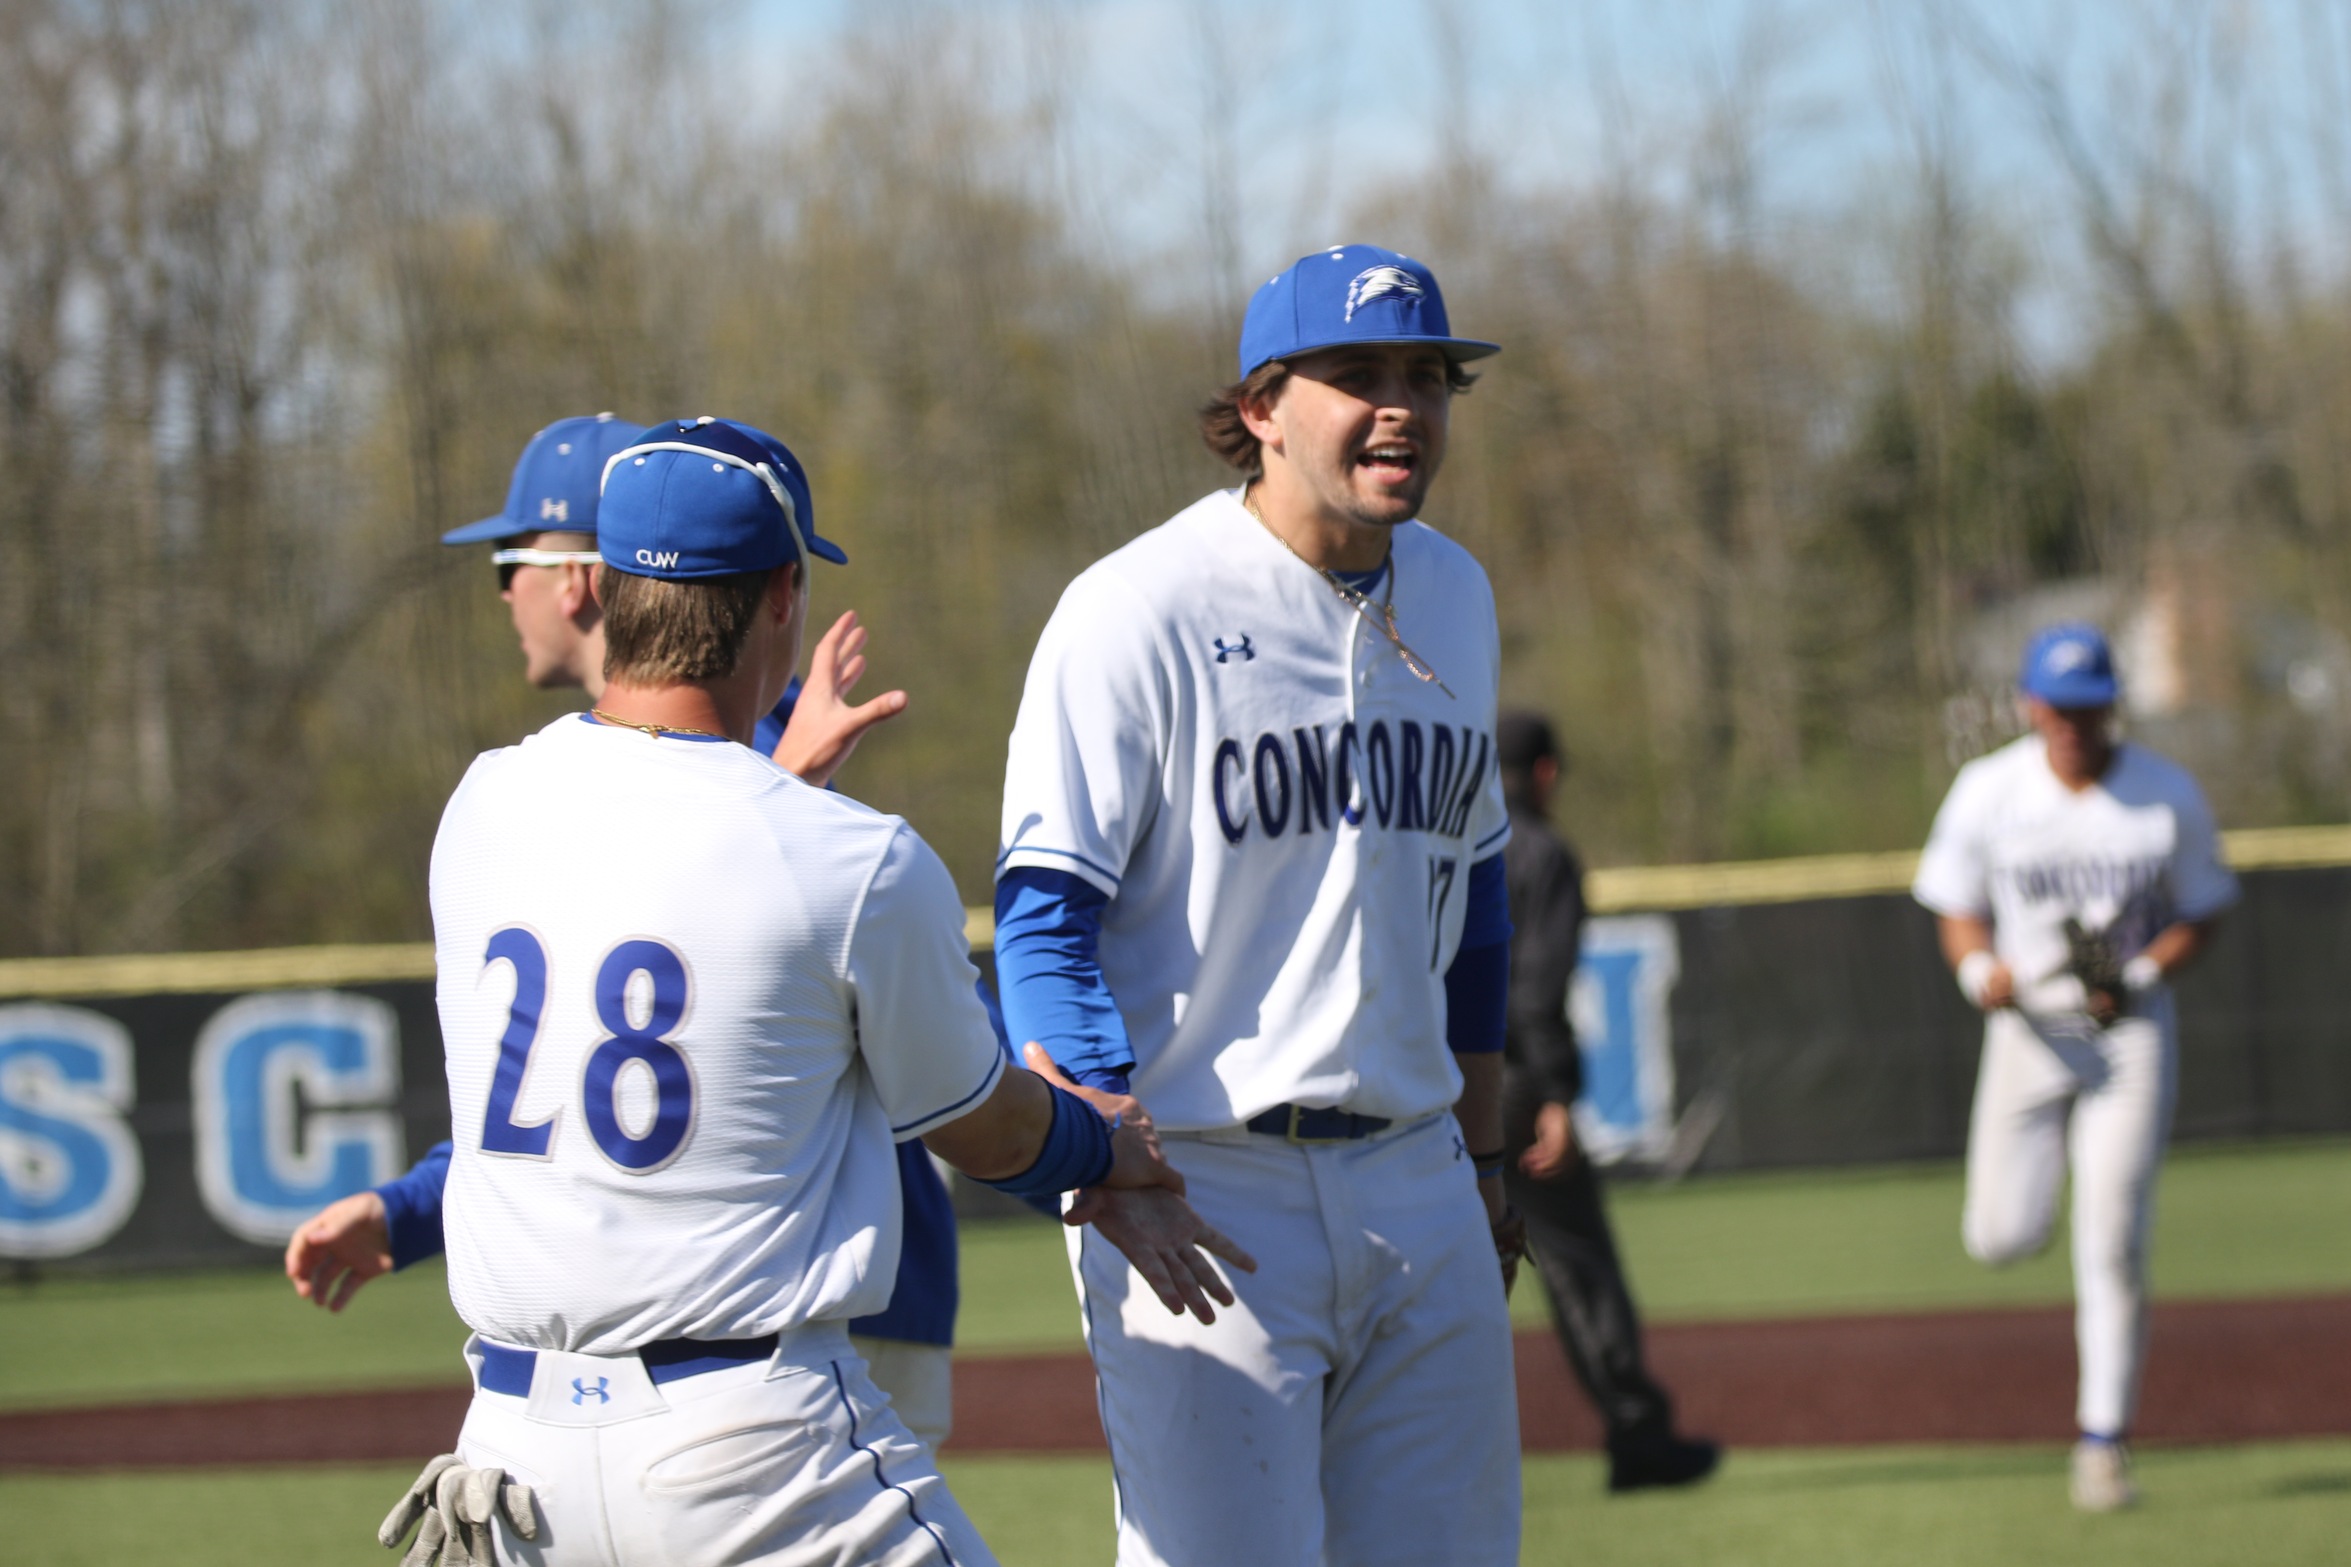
1283 815
2129 855
688 1002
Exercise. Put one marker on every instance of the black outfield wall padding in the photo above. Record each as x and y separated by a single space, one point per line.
1830 1031
200 1122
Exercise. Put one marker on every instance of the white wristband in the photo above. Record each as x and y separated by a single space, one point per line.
2141 973
1975 972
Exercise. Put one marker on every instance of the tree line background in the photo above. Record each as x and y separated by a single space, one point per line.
1769 479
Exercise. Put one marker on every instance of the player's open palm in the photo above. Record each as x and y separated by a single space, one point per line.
1168 1243
825 727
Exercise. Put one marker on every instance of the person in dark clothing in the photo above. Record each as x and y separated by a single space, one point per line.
1547 1177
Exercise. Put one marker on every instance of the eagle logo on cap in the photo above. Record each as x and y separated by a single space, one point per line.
2066 657
1379 282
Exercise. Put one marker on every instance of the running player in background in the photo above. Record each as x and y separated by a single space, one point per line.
2072 874
1252 867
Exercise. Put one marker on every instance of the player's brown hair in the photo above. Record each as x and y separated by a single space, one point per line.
1220 417
658 632
1225 433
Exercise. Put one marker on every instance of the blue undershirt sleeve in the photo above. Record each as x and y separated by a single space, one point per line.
412 1208
1477 986
1050 1207
1049 973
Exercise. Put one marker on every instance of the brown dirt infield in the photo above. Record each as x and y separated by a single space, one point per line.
2219 1371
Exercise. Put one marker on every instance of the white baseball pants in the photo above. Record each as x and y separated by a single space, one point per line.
1358 1406
2052 1083
793 1460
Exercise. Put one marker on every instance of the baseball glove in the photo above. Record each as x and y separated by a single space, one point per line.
1510 1244
2091 958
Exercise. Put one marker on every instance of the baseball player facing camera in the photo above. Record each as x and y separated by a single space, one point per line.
1251 873
2072 874
677 1069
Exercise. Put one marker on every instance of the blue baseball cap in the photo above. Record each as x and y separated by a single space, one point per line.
696 498
2070 665
555 482
1350 294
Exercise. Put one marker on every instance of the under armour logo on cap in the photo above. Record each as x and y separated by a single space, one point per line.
555 482
1377 282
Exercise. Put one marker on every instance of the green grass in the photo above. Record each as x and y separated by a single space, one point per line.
2238 1222
2279 1503
179 1335
2242 1222
1017 1293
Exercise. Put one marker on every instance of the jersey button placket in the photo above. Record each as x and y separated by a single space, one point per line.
1361 658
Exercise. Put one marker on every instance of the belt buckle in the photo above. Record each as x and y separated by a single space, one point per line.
1299 1113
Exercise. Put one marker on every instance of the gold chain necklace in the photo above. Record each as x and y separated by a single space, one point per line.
654 730
1379 614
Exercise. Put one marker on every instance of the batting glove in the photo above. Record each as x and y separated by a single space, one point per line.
458 1506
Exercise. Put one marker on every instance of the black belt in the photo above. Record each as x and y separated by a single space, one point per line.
1305 1124
508 1370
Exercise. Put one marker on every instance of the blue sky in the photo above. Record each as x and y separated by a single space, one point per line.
1326 103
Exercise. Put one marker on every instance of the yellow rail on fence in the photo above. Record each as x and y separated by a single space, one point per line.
1612 890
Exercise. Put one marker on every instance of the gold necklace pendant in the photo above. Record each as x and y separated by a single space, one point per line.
653 731
1384 622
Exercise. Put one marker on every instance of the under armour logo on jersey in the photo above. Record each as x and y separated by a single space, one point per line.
581 1392
1240 650
553 510
1379 282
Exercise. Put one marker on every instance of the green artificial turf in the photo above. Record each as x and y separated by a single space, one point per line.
2246 1221
2282 1504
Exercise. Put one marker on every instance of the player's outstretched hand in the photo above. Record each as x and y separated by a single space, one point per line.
1168 1244
1124 1109
825 728
339 1248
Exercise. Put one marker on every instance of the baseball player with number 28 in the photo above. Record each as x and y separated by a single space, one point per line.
2072 875
1252 872
545 550
677 1068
